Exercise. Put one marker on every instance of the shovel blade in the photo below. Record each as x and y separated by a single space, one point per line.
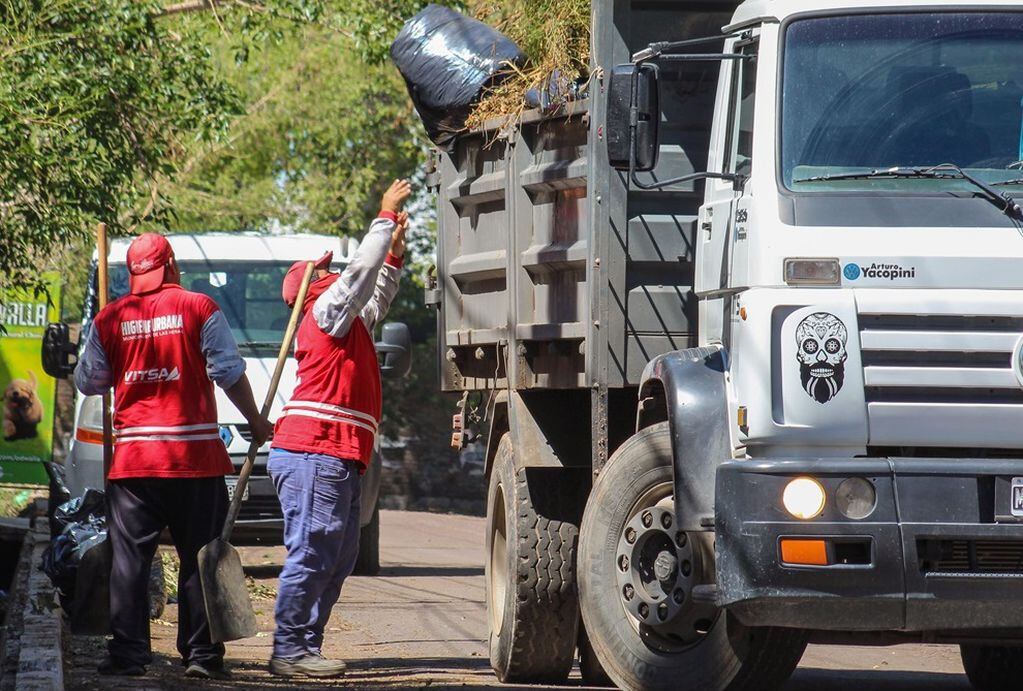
90 608
228 607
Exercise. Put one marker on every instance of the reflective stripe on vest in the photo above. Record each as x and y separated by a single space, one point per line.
331 413
202 432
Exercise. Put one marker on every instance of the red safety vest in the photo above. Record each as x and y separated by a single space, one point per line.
165 417
336 406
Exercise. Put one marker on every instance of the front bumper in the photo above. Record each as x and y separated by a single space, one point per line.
938 553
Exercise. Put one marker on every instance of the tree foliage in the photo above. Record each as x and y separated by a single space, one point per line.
95 100
322 134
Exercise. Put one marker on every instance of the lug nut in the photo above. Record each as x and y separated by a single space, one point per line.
628 591
662 611
666 520
644 610
648 519
630 535
686 568
681 538
623 563
679 596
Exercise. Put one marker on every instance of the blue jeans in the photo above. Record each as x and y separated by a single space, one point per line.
320 498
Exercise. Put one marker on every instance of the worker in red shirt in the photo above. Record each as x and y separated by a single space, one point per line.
324 437
162 348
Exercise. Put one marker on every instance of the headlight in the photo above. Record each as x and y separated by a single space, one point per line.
804 498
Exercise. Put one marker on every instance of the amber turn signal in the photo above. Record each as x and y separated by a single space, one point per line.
804 552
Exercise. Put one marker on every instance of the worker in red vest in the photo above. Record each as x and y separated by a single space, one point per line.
162 348
324 438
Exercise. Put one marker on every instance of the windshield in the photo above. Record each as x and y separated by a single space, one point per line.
249 294
866 92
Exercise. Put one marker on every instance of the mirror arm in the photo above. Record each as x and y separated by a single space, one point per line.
731 177
655 50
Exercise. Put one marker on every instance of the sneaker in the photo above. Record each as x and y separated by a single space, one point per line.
309 665
118 668
208 670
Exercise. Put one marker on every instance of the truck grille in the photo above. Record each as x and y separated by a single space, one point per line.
970 556
943 377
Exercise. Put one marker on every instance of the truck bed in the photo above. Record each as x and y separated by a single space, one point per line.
526 297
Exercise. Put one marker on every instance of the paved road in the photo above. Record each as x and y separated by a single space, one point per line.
422 623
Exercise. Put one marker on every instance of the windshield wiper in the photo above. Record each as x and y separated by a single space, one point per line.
946 171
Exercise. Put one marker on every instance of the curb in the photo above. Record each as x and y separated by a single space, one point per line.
35 634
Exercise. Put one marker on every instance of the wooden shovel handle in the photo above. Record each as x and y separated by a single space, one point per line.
282 357
103 291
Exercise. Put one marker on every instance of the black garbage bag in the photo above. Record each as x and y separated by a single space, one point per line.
81 526
447 59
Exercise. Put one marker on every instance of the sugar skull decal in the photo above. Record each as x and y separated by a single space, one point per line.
820 347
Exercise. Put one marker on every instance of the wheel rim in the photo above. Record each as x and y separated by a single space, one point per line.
656 567
498 585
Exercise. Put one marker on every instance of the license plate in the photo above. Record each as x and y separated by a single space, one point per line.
233 481
1016 497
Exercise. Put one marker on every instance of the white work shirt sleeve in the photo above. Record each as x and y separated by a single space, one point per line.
92 373
383 294
340 305
224 364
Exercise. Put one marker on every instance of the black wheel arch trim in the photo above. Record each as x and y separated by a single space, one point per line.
693 385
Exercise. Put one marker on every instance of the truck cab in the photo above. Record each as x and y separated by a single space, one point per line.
242 272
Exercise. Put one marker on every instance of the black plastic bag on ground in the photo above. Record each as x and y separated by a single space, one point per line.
447 59
81 526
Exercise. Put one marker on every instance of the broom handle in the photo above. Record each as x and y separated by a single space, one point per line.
282 356
103 287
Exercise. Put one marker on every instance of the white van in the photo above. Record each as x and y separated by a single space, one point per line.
243 273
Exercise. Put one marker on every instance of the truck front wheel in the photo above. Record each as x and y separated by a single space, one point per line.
637 580
532 602
992 667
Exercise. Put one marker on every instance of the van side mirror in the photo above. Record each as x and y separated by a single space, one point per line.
58 351
395 350
633 85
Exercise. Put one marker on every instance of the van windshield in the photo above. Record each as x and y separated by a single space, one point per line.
870 92
249 294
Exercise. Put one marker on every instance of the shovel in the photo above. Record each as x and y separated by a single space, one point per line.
228 607
90 609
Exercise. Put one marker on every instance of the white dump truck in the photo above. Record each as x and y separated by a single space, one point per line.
744 327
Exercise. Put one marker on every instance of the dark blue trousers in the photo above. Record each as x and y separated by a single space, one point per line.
320 498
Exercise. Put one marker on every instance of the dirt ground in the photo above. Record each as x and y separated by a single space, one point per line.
422 623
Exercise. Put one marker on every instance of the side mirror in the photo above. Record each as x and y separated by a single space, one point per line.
58 351
395 349
628 81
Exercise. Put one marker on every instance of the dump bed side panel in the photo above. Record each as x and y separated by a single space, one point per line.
529 295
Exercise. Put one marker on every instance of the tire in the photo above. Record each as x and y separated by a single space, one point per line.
992 667
700 647
368 561
157 588
532 601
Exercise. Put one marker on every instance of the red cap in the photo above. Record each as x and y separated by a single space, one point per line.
148 254
293 279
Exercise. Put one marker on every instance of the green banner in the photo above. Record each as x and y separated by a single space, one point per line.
29 395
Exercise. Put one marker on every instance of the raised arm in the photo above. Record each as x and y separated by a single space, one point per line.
388 277
349 297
